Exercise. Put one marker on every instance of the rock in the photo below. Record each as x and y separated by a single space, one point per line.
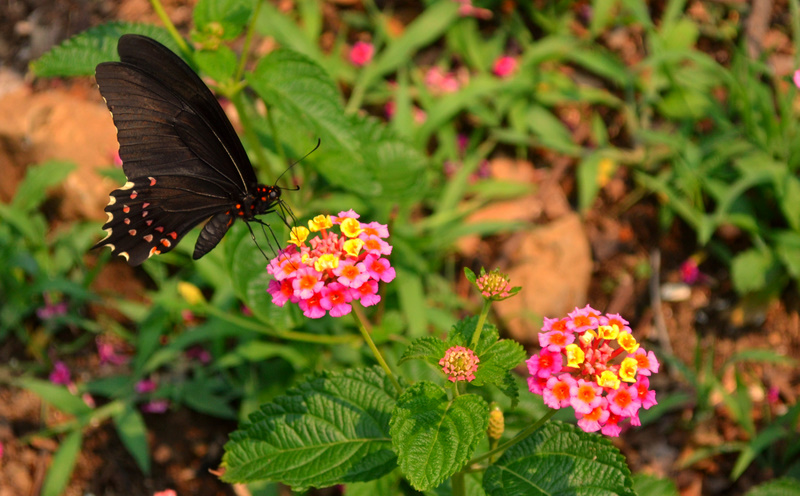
553 264
58 125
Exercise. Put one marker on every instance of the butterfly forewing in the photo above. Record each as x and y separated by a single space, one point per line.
183 160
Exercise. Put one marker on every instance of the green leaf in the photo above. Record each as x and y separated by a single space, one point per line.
302 90
329 430
497 356
788 189
231 15
55 395
412 302
63 462
133 434
749 270
550 130
79 55
649 485
560 459
787 248
425 29
496 364
199 396
592 171
38 179
429 349
219 64
276 24
602 15
251 280
778 487
435 436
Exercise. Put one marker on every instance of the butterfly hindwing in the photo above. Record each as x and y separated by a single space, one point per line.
182 158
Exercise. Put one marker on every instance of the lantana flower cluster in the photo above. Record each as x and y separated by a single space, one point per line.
324 274
592 363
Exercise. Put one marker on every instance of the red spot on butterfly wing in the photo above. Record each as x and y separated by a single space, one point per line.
148 238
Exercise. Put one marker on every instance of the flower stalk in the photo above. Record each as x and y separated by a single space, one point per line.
357 316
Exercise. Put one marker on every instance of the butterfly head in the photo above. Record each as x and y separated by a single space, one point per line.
262 201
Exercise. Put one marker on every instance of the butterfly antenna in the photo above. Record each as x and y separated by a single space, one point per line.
319 142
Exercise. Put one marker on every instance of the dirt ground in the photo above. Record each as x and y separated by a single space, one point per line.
600 256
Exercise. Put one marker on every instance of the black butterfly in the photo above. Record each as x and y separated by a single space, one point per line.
183 160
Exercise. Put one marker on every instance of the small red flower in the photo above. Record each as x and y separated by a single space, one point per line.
361 53
505 66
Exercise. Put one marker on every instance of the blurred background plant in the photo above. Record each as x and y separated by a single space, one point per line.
627 107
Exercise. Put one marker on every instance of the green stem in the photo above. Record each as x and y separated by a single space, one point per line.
95 417
476 337
457 484
519 437
248 39
362 326
289 335
173 31
249 133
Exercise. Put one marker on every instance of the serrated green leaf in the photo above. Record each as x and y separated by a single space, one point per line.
428 348
301 89
38 179
55 395
133 434
496 364
79 55
560 459
62 464
497 356
435 436
329 430
461 334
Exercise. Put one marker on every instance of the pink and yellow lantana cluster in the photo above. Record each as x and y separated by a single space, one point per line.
333 269
593 363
